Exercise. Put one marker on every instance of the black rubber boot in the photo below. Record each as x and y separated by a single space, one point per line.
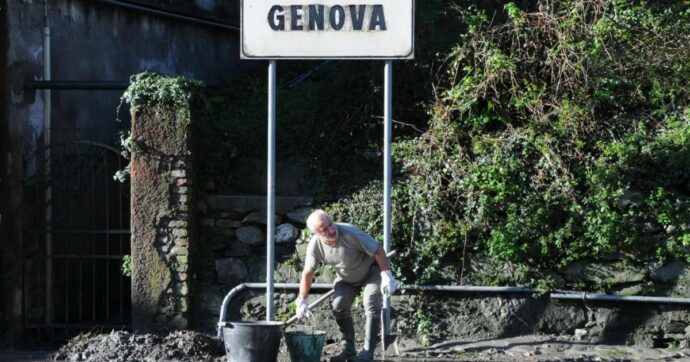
347 333
370 338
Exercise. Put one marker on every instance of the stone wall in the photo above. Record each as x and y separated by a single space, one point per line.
232 249
161 195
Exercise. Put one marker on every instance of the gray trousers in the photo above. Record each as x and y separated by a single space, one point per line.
346 292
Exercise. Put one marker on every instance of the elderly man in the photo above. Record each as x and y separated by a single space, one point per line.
359 262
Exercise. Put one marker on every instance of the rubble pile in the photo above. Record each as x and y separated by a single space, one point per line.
125 346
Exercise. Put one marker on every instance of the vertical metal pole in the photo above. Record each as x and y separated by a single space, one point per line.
387 171
47 105
270 186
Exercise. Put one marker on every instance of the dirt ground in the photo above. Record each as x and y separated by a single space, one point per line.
192 346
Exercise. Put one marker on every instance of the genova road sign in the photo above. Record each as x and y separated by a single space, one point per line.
302 29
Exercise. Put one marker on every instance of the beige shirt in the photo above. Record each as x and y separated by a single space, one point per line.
351 256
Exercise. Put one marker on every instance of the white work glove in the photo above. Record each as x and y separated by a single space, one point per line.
302 308
388 283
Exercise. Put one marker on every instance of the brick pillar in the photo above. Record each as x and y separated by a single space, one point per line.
161 190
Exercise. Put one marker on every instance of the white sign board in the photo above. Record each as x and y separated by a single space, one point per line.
303 29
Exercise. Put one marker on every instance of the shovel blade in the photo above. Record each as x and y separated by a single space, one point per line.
389 340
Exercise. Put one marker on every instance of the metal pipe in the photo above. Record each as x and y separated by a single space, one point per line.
48 193
470 289
460 288
618 298
170 14
76 84
387 172
96 85
270 186
236 290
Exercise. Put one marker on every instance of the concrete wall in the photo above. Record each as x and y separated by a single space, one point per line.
90 41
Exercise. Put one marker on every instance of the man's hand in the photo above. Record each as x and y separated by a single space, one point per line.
302 308
388 283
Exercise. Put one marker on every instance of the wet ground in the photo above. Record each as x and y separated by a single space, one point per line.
190 346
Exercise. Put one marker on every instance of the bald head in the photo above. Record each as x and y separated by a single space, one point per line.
321 224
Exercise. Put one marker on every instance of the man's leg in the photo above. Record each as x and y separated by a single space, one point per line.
373 301
342 310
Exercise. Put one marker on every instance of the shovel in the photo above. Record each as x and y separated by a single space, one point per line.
387 338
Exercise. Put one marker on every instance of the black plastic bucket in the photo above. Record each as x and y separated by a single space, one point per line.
305 346
248 341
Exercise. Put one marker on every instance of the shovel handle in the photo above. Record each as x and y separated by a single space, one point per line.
326 296
312 305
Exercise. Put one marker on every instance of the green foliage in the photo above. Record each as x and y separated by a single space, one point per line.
126 266
175 100
154 92
557 136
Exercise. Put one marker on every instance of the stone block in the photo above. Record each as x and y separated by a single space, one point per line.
181 163
227 223
181 288
182 259
238 249
231 271
209 222
179 233
178 224
299 215
178 173
181 277
259 217
670 272
286 233
179 250
249 235
249 203
162 239
180 322
182 305
210 299
179 189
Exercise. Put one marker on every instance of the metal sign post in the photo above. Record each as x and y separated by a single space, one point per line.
343 29
387 173
270 186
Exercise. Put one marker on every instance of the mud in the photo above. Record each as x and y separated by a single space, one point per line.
192 346
122 346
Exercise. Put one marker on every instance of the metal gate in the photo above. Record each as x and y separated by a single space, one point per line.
76 221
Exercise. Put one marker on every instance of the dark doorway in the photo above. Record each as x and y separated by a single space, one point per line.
76 236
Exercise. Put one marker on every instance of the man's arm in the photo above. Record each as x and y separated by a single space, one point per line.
381 259
305 283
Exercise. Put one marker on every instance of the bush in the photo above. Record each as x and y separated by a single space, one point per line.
558 135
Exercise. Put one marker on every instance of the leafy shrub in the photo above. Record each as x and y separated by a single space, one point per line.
558 135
